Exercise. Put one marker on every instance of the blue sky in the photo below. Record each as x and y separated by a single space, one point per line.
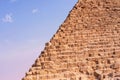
25 26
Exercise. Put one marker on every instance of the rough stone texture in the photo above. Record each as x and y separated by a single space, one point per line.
85 47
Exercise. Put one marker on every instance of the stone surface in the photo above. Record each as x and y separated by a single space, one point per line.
85 47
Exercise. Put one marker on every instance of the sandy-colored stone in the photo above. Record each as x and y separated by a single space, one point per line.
85 47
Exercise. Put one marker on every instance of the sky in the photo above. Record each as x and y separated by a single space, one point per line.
25 27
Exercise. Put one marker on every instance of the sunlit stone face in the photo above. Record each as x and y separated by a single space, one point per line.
86 46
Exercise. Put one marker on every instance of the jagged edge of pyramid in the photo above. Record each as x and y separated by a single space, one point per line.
49 42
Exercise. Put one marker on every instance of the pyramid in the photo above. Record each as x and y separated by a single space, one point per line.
85 47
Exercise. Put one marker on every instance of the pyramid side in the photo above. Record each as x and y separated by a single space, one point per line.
85 47
48 56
